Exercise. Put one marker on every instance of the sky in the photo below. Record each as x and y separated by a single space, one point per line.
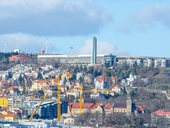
122 27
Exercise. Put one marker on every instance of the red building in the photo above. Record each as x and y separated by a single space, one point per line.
18 58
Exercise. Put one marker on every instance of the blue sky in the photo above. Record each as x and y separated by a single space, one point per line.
122 27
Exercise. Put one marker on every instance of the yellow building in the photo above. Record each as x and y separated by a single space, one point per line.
4 113
4 101
10 117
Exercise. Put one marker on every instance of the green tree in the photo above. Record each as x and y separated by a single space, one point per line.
81 68
107 65
91 70
108 74
122 76
85 68
64 81
39 76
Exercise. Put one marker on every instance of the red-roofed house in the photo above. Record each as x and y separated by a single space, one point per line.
55 81
93 107
11 117
159 113
116 89
140 109
100 82
46 88
108 109
115 80
11 90
18 57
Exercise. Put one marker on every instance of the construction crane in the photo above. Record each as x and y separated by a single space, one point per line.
29 120
66 97
93 91
58 104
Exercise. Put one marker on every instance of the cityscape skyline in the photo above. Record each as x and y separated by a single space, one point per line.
122 28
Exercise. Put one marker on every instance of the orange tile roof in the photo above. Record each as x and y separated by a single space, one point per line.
56 80
115 78
168 113
161 112
84 105
116 86
11 88
67 74
140 108
47 87
10 115
107 106
40 81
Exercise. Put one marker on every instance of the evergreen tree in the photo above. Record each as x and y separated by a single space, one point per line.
39 76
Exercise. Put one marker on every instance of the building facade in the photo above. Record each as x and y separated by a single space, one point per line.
49 110
4 101
16 101
123 107
76 59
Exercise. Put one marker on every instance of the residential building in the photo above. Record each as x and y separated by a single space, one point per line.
108 109
38 85
3 100
69 121
116 89
11 90
115 80
158 114
92 107
100 82
48 110
55 81
94 95
15 101
11 117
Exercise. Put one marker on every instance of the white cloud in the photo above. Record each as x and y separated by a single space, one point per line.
155 13
103 48
52 17
146 19
26 43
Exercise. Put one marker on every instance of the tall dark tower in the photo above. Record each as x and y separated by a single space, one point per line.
94 51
